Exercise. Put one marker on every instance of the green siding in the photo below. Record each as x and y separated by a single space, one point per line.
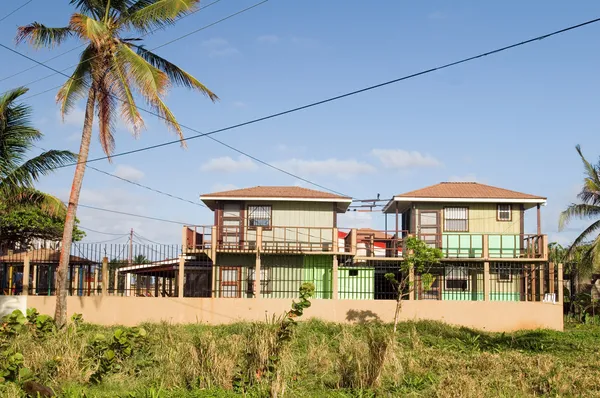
357 287
462 296
286 275
505 296
318 270
467 245
504 246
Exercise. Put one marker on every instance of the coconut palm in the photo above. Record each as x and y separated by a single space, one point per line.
589 208
18 173
112 69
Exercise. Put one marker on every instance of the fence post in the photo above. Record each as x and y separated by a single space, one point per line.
26 266
560 283
105 276
335 240
335 278
486 281
33 287
257 265
353 240
75 280
116 283
180 276
485 246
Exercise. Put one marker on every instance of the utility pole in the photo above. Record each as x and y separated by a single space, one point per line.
131 247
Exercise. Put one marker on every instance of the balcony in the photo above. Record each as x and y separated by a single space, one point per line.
360 243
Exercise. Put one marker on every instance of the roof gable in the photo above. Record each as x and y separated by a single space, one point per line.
467 190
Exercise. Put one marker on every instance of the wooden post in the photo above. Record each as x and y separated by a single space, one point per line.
559 298
353 241
486 281
26 267
539 219
335 241
396 219
184 239
105 276
551 278
127 291
213 243
181 276
116 283
335 279
485 251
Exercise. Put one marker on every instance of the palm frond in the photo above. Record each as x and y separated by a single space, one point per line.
129 110
583 237
89 29
177 75
31 170
94 8
39 35
32 198
77 86
581 210
148 14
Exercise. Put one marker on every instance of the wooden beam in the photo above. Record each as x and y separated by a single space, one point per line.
539 220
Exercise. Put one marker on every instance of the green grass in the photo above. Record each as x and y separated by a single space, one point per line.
425 359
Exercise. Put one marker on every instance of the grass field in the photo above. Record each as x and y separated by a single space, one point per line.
427 359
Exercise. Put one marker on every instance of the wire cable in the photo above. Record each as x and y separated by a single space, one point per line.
15 10
330 99
132 215
100 232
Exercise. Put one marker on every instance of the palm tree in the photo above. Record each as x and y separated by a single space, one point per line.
112 69
17 173
588 256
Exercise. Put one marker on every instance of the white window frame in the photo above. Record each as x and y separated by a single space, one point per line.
504 211
251 218
447 213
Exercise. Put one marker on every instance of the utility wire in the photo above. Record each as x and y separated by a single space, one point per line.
133 215
83 45
335 98
100 232
15 10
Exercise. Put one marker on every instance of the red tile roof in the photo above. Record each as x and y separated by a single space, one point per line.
467 190
275 192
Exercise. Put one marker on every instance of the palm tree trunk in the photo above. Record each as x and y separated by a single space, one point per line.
60 313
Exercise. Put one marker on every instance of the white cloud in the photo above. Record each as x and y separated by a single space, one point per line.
219 187
471 177
226 164
215 42
239 104
402 160
270 39
219 47
74 118
340 168
355 219
129 172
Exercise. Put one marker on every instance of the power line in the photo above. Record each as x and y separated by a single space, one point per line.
149 240
82 45
133 215
335 98
100 232
15 10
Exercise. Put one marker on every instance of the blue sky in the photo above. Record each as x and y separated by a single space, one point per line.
510 120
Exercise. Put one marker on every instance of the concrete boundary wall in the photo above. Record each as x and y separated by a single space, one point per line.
490 316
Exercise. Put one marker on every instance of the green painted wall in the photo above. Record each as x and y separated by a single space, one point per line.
318 270
285 276
356 283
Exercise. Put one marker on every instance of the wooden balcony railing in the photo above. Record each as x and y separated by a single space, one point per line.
361 243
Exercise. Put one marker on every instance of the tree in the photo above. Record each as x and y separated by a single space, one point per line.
112 68
589 208
20 227
419 258
18 197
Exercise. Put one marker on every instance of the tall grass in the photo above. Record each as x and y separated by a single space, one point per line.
427 359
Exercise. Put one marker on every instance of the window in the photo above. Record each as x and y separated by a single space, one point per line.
457 278
259 216
456 219
265 280
504 212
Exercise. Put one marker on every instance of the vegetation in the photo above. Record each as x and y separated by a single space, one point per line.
24 211
418 260
113 68
425 359
589 208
